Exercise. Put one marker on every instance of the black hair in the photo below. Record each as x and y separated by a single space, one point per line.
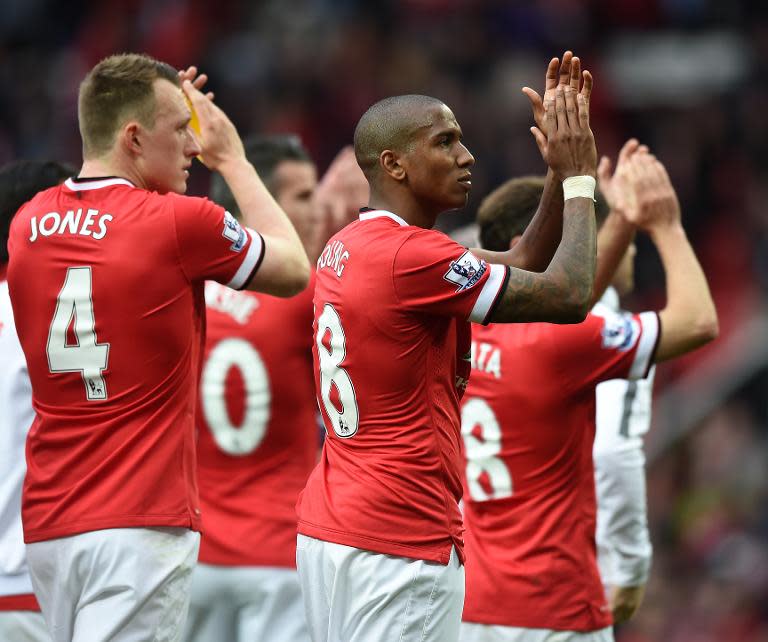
19 182
509 209
265 153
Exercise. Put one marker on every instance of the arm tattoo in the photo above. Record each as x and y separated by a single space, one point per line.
540 239
562 293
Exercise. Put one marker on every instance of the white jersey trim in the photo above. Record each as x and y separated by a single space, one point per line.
86 186
647 345
367 216
252 258
489 293
20 584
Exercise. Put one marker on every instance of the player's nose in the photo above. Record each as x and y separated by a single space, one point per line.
465 158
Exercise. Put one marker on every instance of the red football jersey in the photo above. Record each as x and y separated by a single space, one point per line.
257 425
391 350
106 282
528 422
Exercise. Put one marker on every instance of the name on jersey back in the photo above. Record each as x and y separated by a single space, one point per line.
73 222
334 257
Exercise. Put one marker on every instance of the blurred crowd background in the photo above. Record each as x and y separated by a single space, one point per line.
687 77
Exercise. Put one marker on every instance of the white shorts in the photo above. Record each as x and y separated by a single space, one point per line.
121 584
23 626
245 603
473 632
353 595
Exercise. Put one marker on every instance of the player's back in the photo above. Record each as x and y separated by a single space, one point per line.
528 426
257 428
109 303
389 325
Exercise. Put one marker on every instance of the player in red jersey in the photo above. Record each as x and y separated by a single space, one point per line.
380 549
257 428
106 278
528 421
20 617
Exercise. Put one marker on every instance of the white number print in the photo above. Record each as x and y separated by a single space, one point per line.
331 373
74 308
481 453
236 353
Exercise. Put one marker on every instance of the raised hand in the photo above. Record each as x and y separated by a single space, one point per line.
198 80
218 136
609 179
569 145
558 76
651 201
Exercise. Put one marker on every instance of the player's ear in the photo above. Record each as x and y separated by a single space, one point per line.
390 163
129 138
514 241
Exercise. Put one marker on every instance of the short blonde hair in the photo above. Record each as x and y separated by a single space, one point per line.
119 88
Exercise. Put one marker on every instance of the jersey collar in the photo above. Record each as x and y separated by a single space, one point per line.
85 184
366 214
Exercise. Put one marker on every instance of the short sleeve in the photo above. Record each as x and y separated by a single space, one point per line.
432 273
213 245
608 345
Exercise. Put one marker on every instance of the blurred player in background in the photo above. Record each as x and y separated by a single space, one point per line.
20 617
623 417
380 549
106 278
528 421
258 437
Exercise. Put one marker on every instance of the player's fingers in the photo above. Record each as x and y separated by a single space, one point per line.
210 95
541 140
550 82
586 88
571 109
189 73
200 104
200 81
562 118
583 106
575 80
627 149
604 169
565 69
537 105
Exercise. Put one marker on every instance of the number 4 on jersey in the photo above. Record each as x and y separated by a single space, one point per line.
74 308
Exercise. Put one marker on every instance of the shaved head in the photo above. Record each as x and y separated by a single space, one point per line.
390 124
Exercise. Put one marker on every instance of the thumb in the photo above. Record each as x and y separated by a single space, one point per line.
604 169
541 140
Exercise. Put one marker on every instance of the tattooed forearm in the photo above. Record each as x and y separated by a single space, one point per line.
542 236
561 294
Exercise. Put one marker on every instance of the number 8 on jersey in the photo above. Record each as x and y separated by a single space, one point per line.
344 421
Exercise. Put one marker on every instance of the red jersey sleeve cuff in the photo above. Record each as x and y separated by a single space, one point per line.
646 348
491 294
254 255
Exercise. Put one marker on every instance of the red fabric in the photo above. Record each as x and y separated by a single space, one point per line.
27 602
127 460
393 486
528 420
251 477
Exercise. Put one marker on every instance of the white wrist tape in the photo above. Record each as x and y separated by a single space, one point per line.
579 187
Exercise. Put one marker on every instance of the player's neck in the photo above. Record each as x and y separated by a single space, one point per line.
100 167
405 206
